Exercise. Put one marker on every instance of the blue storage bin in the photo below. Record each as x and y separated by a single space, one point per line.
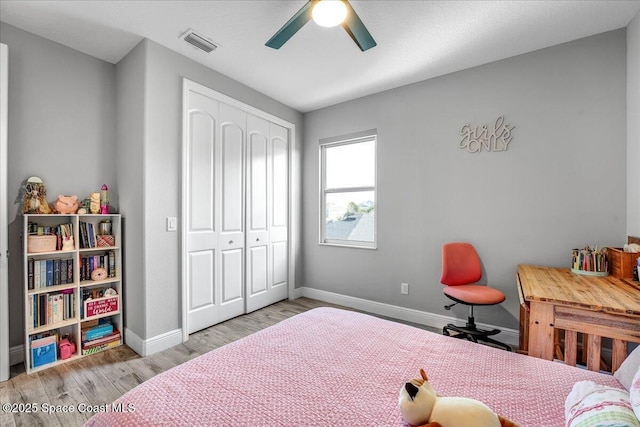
44 354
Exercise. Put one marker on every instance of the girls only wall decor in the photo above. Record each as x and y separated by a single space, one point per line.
494 137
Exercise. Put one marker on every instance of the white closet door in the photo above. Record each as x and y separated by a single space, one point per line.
266 274
215 140
201 220
235 209
231 237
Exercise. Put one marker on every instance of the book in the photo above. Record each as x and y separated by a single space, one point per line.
97 332
112 264
107 338
101 347
36 274
57 308
70 278
93 235
30 266
83 235
63 271
89 324
56 271
43 273
49 278
42 309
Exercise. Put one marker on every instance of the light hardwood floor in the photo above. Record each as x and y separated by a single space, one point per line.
102 378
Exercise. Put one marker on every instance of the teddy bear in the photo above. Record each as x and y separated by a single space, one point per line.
65 204
421 406
34 200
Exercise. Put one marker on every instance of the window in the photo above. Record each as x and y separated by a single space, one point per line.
348 190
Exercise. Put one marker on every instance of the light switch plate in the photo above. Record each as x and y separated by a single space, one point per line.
172 223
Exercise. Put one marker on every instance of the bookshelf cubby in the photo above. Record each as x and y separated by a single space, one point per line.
58 284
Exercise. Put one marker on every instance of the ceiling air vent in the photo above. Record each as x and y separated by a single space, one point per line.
198 41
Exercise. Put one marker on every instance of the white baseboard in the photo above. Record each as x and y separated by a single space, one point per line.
16 354
152 345
509 336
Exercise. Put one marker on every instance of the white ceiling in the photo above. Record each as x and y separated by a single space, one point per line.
319 66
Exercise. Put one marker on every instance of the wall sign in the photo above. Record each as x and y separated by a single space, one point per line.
485 137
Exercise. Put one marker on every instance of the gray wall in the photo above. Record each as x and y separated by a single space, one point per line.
633 127
61 128
561 184
162 171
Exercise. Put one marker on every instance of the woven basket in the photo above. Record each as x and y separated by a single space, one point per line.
37 244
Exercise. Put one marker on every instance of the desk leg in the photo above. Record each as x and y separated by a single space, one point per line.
618 353
541 330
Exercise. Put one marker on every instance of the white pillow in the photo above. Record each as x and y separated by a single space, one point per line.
634 394
590 405
628 368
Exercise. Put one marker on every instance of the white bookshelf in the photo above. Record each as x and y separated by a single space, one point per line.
78 283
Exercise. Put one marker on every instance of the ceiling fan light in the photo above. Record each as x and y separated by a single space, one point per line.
329 13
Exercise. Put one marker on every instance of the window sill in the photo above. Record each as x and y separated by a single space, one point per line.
347 245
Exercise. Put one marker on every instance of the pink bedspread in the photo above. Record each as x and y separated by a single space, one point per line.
330 367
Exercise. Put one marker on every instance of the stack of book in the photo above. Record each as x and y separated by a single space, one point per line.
90 263
98 336
45 309
590 261
49 272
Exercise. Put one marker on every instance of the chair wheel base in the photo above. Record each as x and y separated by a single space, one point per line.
474 334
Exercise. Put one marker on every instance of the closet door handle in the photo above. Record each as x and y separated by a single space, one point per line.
230 242
257 239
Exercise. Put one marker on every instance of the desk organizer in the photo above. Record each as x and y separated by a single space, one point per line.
622 263
590 262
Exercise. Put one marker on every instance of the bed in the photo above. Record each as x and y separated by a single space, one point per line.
331 367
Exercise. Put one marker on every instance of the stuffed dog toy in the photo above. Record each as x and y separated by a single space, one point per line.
421 406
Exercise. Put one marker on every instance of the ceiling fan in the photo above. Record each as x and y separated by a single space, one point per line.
343 15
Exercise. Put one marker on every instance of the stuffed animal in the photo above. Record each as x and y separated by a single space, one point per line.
95 203
34 200
67 243
65 204
421 406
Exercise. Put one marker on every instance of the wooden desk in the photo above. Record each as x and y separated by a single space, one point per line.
556 298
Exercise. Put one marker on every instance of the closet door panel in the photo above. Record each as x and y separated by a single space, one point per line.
257 269
280 210
230 278
201 265
232 178
258 178
279 266
280 180
201 159
200 227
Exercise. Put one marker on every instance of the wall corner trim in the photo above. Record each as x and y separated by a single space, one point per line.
152 345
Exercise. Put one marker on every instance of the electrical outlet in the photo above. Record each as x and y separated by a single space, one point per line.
404 288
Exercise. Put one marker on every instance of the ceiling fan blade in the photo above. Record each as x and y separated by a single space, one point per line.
356 29
292 26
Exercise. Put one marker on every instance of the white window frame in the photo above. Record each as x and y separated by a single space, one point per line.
360 137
